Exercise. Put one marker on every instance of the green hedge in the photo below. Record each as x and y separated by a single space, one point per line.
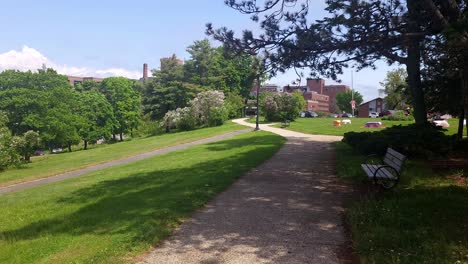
413 140
398 116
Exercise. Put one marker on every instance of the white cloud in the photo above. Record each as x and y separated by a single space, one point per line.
31 59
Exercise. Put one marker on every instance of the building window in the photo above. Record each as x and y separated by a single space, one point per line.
75 83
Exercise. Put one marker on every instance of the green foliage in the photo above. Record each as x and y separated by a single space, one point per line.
27 144
43 102
343 100
97 120
50 165
322 114
234 104
413 141
125 102
421 221
399 116
168 90
218 115
282 106
187 120
148 127
395 86
8 154
219 69
117 214
206 109
208 68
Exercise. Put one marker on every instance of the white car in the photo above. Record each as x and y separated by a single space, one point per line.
373 114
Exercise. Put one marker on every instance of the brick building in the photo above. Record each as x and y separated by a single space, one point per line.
317 102
376 105
318 86
266 88
75 80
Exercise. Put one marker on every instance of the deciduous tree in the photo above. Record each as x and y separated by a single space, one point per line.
355 33
395 87
343 100
125 102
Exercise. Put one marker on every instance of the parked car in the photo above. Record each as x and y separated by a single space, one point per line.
386 113
347 115
311 114
333 115
373 114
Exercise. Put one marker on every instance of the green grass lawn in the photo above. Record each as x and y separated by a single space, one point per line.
424 220
113 215
59 163
324 126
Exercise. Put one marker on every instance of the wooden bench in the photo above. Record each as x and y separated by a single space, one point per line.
388 173
285 123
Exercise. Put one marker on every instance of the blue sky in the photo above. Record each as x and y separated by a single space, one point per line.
116 37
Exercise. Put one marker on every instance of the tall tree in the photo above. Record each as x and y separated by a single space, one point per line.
356 33
168 89
97 119
395 87
125 102
343 100
8 154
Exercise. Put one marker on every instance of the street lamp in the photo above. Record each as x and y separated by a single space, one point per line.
257 127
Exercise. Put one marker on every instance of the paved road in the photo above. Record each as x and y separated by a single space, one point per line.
288 210
76 173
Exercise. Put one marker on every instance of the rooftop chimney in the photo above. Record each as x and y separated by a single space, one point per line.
145 71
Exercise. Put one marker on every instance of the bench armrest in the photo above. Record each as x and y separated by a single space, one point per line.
393 176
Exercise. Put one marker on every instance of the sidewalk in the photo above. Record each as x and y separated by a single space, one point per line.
288 210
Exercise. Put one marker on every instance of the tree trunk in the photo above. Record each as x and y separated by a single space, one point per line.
27 158
121 136
114 137
461 127
69 148
413 65
85 144
465 94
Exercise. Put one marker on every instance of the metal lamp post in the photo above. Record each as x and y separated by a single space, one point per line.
257 127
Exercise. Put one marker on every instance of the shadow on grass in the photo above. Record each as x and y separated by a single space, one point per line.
418 225
147 206
422 220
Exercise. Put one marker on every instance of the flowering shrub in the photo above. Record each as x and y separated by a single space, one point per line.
207 109
187 120
170 119
282 106
207 103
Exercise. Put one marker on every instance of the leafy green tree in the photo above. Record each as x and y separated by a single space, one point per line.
168 90
234 104
354 33
343 100
199 66
27 144
87 85
125 102
395 86
97 119
209 107
282 106
8 154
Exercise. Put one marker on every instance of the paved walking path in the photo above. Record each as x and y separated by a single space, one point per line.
288 210
76 173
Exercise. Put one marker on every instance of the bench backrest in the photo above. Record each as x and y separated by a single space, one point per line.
394 159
